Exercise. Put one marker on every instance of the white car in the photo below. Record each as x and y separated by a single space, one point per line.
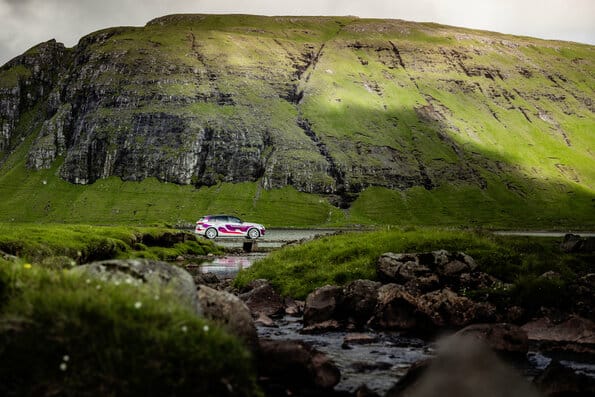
212 226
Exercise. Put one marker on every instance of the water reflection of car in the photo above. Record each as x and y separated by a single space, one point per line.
212 226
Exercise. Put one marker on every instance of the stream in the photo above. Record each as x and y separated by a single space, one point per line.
378 362
378 359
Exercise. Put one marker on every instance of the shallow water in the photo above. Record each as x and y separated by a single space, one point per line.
381 363
229 265
378 364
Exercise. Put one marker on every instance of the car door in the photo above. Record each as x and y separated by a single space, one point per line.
222 223
234 226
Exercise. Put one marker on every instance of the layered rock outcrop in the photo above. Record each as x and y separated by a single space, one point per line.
319 104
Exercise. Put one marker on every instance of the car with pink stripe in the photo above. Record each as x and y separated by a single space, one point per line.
213 226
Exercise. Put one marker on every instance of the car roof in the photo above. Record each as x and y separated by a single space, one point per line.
220 215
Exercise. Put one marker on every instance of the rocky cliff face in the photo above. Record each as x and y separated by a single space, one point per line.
327 105
25 83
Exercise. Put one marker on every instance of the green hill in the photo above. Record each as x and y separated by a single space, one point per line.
300 121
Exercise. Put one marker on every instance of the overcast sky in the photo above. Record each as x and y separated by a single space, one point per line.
25 23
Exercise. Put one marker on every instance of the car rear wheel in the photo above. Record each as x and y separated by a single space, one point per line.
211 233
253 233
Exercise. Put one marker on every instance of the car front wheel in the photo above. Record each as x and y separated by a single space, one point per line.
211 233
253 234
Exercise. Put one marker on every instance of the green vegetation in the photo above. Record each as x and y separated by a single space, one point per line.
66 245
337 260
62 335
429 124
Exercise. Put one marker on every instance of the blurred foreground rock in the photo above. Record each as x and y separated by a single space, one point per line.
463 367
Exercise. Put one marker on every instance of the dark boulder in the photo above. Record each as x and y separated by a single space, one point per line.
323 304
360 298
294 366
398 309
263 299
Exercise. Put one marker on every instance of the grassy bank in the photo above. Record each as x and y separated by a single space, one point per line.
66 334
57 245
339 259
61 334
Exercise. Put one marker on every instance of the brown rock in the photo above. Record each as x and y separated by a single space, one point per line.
455 267
293 307
321 327
446 308
502 338
296 366
263 299
575 334
228 311
323 304
359 339
264 320
400 268
398 309
359 302
421 285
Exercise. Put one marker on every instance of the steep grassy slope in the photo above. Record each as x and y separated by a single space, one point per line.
292 119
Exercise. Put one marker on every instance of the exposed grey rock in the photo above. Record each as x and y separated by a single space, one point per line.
400 268
39 70
426 272
228 311
51 141
145 271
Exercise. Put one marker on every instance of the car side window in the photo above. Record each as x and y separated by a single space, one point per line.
234 220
